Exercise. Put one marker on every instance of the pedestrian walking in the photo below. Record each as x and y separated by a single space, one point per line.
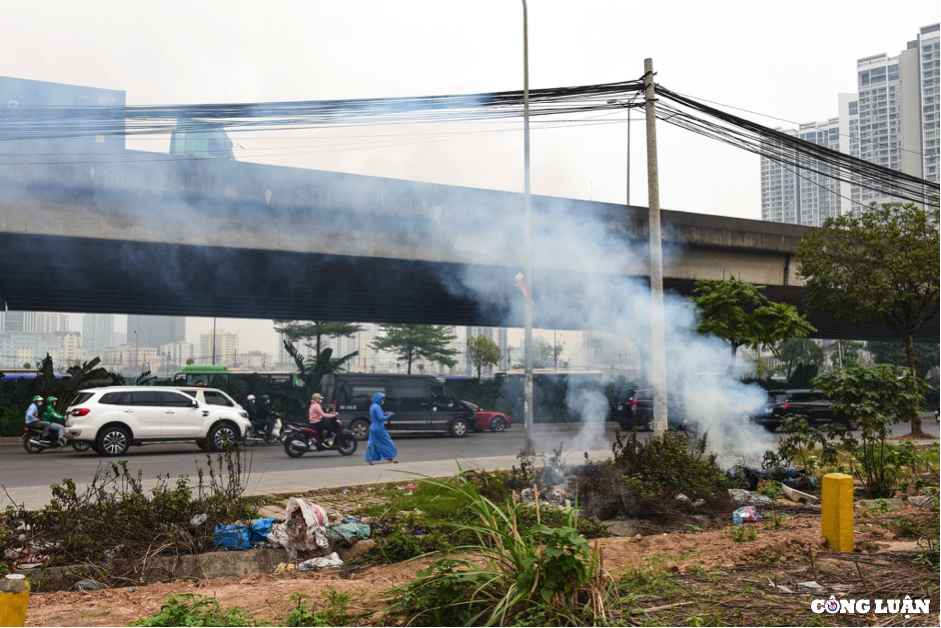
380 445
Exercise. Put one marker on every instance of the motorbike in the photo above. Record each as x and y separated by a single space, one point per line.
33 441
301 439
258 435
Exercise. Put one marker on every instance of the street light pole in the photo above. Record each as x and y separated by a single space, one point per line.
213 340
136 353
626 105
528 447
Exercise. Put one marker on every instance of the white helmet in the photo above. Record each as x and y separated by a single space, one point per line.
251 397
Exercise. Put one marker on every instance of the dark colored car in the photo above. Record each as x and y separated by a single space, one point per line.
488 419
621 407
813 405
678 417
421 403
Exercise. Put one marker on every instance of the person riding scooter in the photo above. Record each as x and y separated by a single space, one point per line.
52 417
321 421
34 420
262 418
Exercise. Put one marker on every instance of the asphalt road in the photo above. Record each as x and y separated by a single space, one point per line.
19 469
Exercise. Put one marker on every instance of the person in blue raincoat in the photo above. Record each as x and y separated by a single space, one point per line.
380 445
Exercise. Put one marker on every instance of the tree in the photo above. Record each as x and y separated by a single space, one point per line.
545 355
483 352
316 331
27 365
926 355
738 313
418 342
800 351
873 398
190 361
879 266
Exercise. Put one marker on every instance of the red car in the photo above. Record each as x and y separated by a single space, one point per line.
488 419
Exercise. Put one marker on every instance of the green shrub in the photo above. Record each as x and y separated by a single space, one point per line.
548 570
337 612
187 609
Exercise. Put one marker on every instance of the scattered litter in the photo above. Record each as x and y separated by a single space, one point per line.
682 498
350 520
744 515
304 527
789 476
321 562
811 584
350 532
800 497
132 590
417 533
410 487
199 519
87 585
344 492
741 497
12 553
260 529
233 536
32 561
699 502
284 567
783 588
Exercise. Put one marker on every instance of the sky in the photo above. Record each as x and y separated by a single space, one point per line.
788 60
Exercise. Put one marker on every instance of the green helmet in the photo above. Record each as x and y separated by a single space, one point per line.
51 399
37 398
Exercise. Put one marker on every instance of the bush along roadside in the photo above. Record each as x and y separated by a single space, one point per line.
110 531
549 572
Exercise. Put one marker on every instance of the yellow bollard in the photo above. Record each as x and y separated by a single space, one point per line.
837 511
14 599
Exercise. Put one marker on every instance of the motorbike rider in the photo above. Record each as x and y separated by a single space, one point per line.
249 406
262 414
53 418
33 417
321 421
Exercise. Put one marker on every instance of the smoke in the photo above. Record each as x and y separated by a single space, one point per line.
363 248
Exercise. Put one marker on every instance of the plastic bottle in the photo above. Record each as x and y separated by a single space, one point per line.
14 600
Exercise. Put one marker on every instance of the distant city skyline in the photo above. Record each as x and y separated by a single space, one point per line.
892 120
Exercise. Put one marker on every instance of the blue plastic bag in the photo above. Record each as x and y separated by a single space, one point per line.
260 529
231 536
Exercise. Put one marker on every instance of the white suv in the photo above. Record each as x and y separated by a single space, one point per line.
112 419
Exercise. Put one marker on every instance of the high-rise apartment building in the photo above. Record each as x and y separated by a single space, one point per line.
35 322
98 333
155 331
224 350
892 121
177 353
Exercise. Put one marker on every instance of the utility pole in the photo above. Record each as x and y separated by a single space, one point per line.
528 447
657 335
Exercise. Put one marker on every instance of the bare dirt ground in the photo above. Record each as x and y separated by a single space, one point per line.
710 578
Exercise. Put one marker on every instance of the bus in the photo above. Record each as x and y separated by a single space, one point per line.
197 374
572 379
11 373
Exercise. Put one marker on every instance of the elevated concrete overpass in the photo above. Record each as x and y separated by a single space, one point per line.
148 233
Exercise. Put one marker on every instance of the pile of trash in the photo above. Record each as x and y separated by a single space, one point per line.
306 528
788 476
558 497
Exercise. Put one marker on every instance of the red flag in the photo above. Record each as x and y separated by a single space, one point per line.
521 284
